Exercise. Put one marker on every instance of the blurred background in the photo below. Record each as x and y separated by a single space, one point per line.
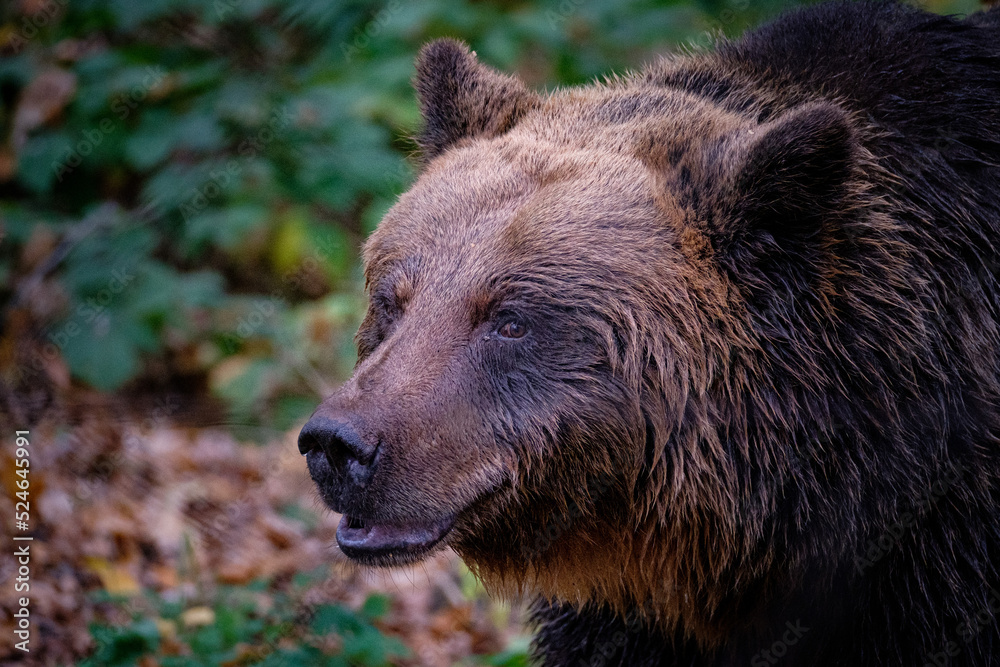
184 188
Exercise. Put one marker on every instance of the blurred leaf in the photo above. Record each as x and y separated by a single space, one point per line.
245 387
375 607
129 14
120 647
291 410
16 69
161 132
105 352
42 159
516 655
332 618
116 579
151 142
288 245
224 228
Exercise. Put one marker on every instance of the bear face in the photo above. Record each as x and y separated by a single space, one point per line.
474 365
550 317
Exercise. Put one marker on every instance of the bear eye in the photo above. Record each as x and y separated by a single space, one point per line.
512 329
388 304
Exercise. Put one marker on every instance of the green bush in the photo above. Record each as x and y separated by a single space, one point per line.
248 626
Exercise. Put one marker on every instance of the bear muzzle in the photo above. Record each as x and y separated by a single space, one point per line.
342 463
349 455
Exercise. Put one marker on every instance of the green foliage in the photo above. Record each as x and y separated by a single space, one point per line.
516 655
124 646
248 626
239 151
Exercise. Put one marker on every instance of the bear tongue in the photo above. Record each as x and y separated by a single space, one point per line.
371 543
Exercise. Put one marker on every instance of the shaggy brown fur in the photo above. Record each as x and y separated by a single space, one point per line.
759 290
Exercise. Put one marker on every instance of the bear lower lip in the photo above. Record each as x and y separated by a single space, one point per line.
390 544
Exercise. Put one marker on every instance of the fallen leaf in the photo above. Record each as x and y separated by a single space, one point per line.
166 628
115 579
197 616
41 101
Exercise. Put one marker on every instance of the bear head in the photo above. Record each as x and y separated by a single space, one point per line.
560 336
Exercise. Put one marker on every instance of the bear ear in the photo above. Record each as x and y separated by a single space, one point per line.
460 97
790 174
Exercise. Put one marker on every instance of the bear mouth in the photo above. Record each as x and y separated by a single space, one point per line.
382 545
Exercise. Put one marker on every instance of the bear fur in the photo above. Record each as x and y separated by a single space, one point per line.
705 358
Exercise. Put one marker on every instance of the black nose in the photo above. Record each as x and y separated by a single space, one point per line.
344 447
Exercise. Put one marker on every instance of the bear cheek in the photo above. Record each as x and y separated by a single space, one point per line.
442 476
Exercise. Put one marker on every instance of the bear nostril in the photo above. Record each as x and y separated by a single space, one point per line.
340 441
307 442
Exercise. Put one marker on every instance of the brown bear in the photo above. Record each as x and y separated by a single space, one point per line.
705 358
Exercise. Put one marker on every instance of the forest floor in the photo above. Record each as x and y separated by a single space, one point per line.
143 530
